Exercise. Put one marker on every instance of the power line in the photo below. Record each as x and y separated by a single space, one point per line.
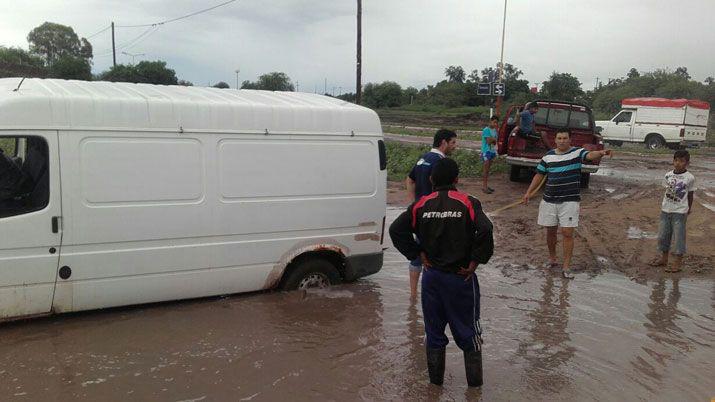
178 18
97 33
133 42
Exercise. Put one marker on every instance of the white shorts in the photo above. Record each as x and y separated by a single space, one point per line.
564 214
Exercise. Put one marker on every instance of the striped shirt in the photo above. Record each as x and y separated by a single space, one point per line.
563 175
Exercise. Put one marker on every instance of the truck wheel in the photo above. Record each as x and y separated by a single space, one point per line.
585 179
654 141
311 273
515 173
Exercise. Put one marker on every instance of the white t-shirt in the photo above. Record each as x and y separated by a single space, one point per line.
677 187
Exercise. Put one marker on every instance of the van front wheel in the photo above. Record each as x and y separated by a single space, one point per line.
311 273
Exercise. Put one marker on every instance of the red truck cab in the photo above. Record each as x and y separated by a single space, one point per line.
523 152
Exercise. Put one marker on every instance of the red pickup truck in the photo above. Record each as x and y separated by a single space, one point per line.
523 152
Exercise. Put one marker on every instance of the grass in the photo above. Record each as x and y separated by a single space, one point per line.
435 110
426 133
640 149
8 146
402 157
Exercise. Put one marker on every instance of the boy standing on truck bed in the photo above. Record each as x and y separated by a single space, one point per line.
454 237
527 125
418 184
676 206
562 194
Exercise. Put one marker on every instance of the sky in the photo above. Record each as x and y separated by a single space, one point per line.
410 42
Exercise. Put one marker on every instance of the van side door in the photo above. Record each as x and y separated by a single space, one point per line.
30 223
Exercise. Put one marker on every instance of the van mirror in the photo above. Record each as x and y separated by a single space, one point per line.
599 129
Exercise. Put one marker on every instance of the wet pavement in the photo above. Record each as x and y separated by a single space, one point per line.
599 337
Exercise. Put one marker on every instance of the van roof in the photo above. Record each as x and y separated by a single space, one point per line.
100 105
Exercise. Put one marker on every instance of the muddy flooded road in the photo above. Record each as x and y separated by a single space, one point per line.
602 336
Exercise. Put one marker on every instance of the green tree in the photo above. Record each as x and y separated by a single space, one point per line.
633 73
386 94
455 74
16 62
275 81
682 72
561 86
53 41
221 85
149 72
71 68
185 83
156 72
409 95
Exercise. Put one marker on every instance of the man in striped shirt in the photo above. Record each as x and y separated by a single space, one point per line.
562 194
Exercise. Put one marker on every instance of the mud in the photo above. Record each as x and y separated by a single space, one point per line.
602 336
619 218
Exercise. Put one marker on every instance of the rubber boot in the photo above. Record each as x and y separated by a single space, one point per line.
473 368
435 365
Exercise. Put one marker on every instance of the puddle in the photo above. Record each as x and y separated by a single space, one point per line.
637 233
330 293
620 196
610 190
708 206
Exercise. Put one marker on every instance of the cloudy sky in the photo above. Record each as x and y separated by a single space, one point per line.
407 41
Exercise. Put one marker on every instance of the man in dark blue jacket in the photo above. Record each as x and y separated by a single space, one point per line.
418 184
453 237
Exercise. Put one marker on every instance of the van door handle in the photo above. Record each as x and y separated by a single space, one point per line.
55 224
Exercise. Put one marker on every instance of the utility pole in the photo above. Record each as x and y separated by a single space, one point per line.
237 71
114 50
325 87
501 62
297 86
358 79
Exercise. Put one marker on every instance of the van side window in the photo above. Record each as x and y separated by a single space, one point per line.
623 117
24 176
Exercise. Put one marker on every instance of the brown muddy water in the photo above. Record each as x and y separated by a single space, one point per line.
599 337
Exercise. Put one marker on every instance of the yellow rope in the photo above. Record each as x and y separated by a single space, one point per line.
513 204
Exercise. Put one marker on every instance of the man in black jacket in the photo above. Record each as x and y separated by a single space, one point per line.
454 237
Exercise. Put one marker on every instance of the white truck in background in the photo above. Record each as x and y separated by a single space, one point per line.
658 122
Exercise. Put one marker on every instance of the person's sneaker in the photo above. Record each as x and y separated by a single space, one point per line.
487 190
550 264
491 190
567 274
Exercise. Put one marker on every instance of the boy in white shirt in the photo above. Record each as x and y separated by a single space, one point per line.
676 206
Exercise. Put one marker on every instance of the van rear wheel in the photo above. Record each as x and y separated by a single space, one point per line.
311 273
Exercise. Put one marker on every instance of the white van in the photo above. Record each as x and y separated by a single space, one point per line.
658 122
133 193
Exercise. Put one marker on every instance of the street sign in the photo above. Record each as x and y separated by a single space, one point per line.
484 88
498 89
